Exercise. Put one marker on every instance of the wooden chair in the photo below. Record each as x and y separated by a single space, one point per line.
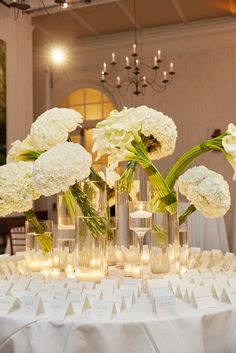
16 231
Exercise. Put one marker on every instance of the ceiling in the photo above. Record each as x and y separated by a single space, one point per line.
101 17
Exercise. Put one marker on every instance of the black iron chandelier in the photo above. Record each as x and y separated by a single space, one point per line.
135 70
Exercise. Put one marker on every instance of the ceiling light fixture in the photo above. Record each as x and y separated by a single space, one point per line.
20 4
135 71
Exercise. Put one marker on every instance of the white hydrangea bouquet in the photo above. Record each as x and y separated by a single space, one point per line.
139 135
56 165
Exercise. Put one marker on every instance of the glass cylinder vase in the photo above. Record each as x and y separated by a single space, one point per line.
66 214
92 232
35 257
165 243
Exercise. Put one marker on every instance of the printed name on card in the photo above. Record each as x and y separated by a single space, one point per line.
202 298
29 306
166 306
56 309
102 310
134 286
78 303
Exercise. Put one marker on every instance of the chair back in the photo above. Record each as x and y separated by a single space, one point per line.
16 231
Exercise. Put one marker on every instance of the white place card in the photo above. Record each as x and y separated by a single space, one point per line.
202 298
228 295
75 288
135 287
56 309
116 299
4 269
102 310
78 303
87 285
12 267
180 290
5 287
216 290
160 292
56 283
128 296
92 294
29 306
71 281
166 306
37 276
6 303
59 293
188 293
109 283
13 278
23 282
231 281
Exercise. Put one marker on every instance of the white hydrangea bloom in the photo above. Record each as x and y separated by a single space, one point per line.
16 188
60 167
206 190
114 135
229 144
162 128
19 148
52 127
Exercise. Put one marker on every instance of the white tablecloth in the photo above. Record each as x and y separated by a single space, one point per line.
135 331
206 233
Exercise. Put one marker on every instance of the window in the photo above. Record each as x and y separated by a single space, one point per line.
94 106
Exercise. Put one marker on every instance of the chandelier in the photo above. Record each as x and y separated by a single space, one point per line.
136 73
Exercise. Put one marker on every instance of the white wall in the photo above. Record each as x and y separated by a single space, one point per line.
18 37
201 98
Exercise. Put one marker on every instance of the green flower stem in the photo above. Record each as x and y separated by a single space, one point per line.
186 214
126 180
167 198
101 184
44 238
70 203
183 162
96 224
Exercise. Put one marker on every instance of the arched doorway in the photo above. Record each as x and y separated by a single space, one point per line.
94 106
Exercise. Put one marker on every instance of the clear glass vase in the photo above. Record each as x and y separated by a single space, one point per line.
165 249
184 249
36 259
92 232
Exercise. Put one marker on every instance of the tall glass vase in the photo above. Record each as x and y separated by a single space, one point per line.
35 257
122 209
92 232
66 214
165 246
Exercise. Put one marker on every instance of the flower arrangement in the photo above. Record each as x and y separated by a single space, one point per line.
57 165
47 162
17 192
153 135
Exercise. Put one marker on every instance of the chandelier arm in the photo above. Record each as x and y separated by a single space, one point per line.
149 67
160 90
110 88
152 80
126 90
